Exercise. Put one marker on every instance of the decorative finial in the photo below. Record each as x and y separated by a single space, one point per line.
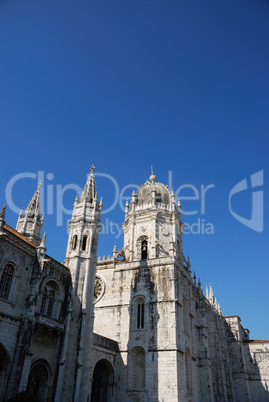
92 169
115 251
3 212
152 177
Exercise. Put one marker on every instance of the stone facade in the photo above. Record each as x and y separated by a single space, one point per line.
34 292
156 336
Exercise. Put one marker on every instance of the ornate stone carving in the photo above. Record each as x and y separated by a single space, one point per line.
165 231
99 288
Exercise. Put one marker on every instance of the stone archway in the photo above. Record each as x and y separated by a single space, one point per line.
102 384
38 380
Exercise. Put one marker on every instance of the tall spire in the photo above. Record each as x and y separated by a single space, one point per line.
81 255
30 223
86 209
89 191
33 208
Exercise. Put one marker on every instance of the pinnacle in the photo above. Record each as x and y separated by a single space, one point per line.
89 191
3 212
43 241
34 205
210 291
92 169
152 178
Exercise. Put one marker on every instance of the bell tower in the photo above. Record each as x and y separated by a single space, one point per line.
81 256
149 306
152 226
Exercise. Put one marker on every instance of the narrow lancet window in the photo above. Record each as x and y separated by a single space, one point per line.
84 243
74 243
140 315
43 301
138 369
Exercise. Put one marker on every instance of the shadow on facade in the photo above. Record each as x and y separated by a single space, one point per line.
31 372
245 358
103 382
142 361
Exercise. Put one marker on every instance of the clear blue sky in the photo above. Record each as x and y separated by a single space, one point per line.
180 85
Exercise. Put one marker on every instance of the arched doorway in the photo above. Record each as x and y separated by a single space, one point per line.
38 380
102 384
4 363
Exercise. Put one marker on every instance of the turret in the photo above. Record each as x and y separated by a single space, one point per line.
30 223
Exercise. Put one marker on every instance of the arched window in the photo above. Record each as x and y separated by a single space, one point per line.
5 281
188 369
144 250
138 368
74 242
84 243
49 296
138 313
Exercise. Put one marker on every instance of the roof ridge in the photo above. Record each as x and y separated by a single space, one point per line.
20 236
